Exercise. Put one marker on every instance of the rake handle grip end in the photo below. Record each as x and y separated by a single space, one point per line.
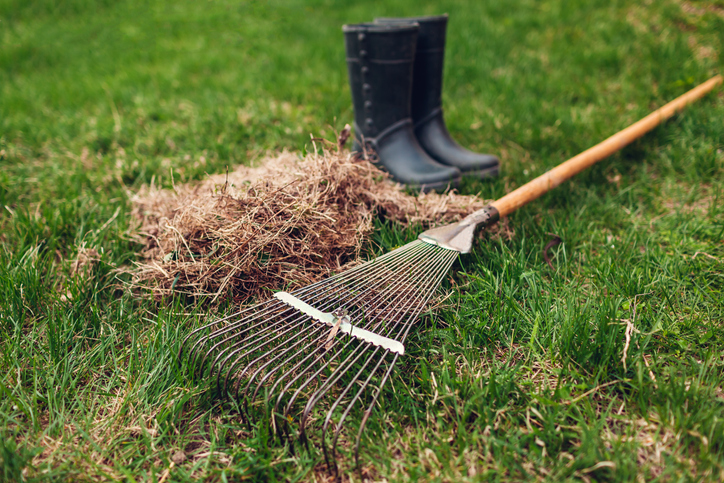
546 182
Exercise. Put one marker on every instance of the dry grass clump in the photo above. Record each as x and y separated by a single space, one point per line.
85 261
287 223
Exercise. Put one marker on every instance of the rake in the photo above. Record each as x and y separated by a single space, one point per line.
317 353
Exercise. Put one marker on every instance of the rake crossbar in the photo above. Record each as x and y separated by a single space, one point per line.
340 322
298 358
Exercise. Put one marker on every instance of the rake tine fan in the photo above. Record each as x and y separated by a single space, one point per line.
275 351
325 350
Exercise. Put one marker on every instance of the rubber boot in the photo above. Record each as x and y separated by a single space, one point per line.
379 61
429 125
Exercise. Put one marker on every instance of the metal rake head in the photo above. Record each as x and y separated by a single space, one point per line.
282 356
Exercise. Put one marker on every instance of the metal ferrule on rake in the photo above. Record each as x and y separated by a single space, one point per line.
459 236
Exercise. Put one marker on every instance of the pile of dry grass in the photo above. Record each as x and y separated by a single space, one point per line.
287 223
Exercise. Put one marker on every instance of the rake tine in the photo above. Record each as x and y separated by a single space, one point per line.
310 288
286 388
318 330
283 363
398 305
376 395
368 412
299 375
298 321
399 315
339 372
253 350
276 305
289 372
273 371
436 283
240 335
207 326
351 404
242 338
311 378
443 262
221 332
330 382
289 359
402 251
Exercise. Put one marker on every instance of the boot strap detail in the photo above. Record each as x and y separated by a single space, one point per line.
374 142
392 128
432 115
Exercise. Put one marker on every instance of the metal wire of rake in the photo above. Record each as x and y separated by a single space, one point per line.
273 353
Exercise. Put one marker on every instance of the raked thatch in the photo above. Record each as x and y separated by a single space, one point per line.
287 223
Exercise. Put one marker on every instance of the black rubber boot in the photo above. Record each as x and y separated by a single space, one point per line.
427 117
379 61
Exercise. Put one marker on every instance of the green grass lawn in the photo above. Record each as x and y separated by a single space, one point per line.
520 375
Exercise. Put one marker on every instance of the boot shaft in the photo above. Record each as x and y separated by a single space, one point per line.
380 62
429 63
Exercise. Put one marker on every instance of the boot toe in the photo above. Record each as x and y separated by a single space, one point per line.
473 164
445 178
436 141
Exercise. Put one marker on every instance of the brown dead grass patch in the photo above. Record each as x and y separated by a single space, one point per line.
84 262
701 9
699 206
646 21
286 223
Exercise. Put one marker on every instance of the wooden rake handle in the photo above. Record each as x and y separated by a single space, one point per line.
546 182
